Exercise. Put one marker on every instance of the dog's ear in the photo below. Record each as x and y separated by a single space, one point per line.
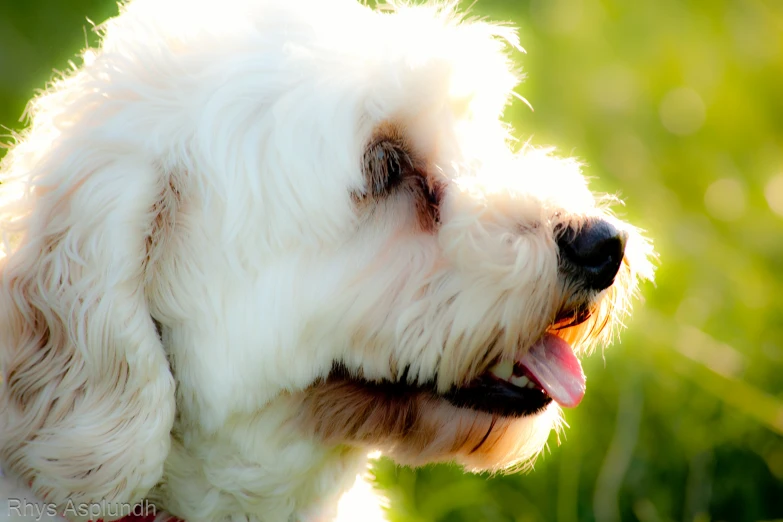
87 399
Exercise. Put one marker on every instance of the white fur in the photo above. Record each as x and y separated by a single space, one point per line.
200 168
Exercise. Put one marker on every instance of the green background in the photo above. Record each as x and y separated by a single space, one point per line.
677 107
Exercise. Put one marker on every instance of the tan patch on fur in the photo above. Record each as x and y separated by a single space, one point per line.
164 213
388 142
418 427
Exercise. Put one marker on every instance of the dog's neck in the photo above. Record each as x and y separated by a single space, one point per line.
258 464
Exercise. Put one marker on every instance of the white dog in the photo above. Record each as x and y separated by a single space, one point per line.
248 242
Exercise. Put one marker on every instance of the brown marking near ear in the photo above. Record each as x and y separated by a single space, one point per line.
391 168
386 161
163 218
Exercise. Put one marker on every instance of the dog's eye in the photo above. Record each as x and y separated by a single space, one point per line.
386 165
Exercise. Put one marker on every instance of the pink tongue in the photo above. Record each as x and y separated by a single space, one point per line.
557 370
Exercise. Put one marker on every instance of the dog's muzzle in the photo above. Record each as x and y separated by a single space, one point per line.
591 255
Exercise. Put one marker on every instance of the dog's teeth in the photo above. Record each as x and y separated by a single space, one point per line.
521 382
503 370
531 385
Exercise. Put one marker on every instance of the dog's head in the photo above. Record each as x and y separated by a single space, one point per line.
414 280
467 273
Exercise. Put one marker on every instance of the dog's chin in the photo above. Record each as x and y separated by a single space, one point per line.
415 425
497 420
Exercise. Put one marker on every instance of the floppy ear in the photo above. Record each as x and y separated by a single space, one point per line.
87 398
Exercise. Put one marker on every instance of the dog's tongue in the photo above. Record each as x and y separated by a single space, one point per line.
554 365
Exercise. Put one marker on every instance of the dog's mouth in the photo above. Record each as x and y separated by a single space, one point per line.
525 385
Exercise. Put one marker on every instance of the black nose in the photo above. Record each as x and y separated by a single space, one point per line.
593 252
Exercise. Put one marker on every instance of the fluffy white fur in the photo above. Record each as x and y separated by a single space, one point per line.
192 246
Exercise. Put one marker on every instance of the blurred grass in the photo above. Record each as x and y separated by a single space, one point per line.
678 107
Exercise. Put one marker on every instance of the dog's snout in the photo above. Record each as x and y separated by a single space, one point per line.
595 251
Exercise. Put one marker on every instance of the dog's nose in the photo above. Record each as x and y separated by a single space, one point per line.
594 251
